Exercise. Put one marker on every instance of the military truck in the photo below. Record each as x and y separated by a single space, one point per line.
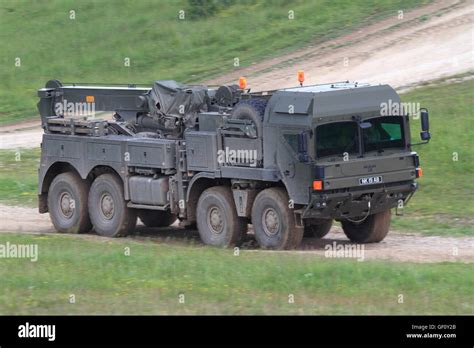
288 161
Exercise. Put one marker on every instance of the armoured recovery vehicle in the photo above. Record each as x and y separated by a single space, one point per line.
288 161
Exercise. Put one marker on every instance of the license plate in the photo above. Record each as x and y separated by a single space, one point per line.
370 180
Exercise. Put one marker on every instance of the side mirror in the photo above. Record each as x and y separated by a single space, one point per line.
425 125
303 146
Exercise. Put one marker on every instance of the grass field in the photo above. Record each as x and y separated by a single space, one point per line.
19 176
93 46
214 281
442 206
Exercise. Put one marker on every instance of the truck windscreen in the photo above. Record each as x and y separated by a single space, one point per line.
386 132
337 138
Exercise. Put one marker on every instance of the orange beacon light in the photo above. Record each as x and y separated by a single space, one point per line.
301 77
242 83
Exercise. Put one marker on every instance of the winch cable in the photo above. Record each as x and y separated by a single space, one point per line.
363 219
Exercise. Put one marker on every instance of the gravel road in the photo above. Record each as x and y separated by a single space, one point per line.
397 246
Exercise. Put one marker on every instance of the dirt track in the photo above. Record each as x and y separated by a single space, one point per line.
400 247
429 43
21 135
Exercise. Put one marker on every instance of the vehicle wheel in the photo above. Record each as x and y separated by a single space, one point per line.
371 230
108 209
67 204
251 109
156 218
217 219
317 228
274 222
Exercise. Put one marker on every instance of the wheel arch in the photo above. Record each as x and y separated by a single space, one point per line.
297 207
54 170
47 178
197 185
202 181
101 169
60 167
105 169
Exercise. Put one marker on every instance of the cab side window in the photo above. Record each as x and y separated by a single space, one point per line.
292 140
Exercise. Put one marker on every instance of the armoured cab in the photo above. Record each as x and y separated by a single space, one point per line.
334 135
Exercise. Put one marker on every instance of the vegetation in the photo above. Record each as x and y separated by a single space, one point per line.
443 205
104 280
90 41
19 176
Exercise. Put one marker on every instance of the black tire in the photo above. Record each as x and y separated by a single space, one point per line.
217 219
67 204
317 228
108 209
274 222
371 230
251 109
156 218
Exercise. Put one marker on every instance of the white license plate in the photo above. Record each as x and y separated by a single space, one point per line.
369 180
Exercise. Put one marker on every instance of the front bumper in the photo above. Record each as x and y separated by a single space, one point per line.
354 202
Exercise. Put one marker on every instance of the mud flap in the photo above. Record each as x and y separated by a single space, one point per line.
243 200
43 203
299 218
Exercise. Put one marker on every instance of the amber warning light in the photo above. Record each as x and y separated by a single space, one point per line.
317 185
301 77
419 172
242 83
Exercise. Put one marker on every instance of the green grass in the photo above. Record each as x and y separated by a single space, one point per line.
214 281
444 202
92 48
19 176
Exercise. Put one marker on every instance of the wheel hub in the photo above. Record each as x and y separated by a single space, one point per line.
271 222
66 203
107 206
215 221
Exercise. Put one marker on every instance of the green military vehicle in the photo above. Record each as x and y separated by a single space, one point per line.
288 161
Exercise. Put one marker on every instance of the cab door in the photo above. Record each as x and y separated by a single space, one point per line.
295 174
